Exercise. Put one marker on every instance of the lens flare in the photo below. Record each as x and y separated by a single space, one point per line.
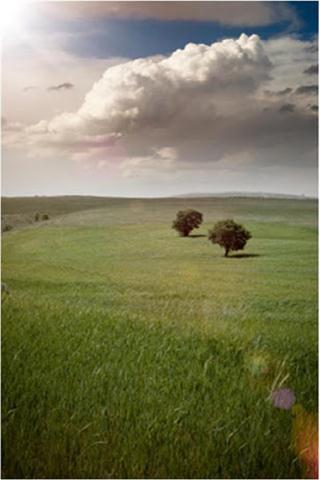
305 440
283 398
11 14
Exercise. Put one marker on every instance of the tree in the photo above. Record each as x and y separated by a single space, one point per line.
186 221
229 235
37 217
45 216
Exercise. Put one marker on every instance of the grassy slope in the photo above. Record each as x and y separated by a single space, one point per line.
163 209
130 352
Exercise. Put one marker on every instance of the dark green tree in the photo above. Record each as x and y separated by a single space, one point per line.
229 235
45 216
186 221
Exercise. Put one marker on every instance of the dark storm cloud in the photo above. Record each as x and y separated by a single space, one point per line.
285 91
272 138
306 89
279 93
61 86
311 70
287 108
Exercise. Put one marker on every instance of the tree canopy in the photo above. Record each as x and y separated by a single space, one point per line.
186 221
229 235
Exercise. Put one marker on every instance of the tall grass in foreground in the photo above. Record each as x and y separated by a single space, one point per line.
128 352
88 395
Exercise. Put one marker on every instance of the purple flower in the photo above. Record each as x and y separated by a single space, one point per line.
283 398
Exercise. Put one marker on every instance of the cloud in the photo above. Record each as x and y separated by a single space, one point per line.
313 69
61 86
9 126
41 63
285 91
190 110
228 13
312 48
307 89
287 108
279 93
162 161
149 94
28 88
11 131
290 56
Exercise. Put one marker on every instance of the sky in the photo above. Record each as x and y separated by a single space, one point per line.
146 99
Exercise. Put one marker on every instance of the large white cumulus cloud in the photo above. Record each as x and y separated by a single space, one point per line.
204 103
155 89
152 92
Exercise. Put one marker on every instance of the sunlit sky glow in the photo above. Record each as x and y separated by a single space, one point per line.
159 98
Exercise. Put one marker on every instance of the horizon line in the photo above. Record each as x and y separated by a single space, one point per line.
177 195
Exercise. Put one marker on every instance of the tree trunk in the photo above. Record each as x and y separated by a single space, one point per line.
226 252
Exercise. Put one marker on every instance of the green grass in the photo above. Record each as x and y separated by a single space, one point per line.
20 211
128 352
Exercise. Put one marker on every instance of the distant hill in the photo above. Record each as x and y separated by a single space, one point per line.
244 195
19 212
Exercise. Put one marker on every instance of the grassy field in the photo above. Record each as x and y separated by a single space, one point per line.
129 352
